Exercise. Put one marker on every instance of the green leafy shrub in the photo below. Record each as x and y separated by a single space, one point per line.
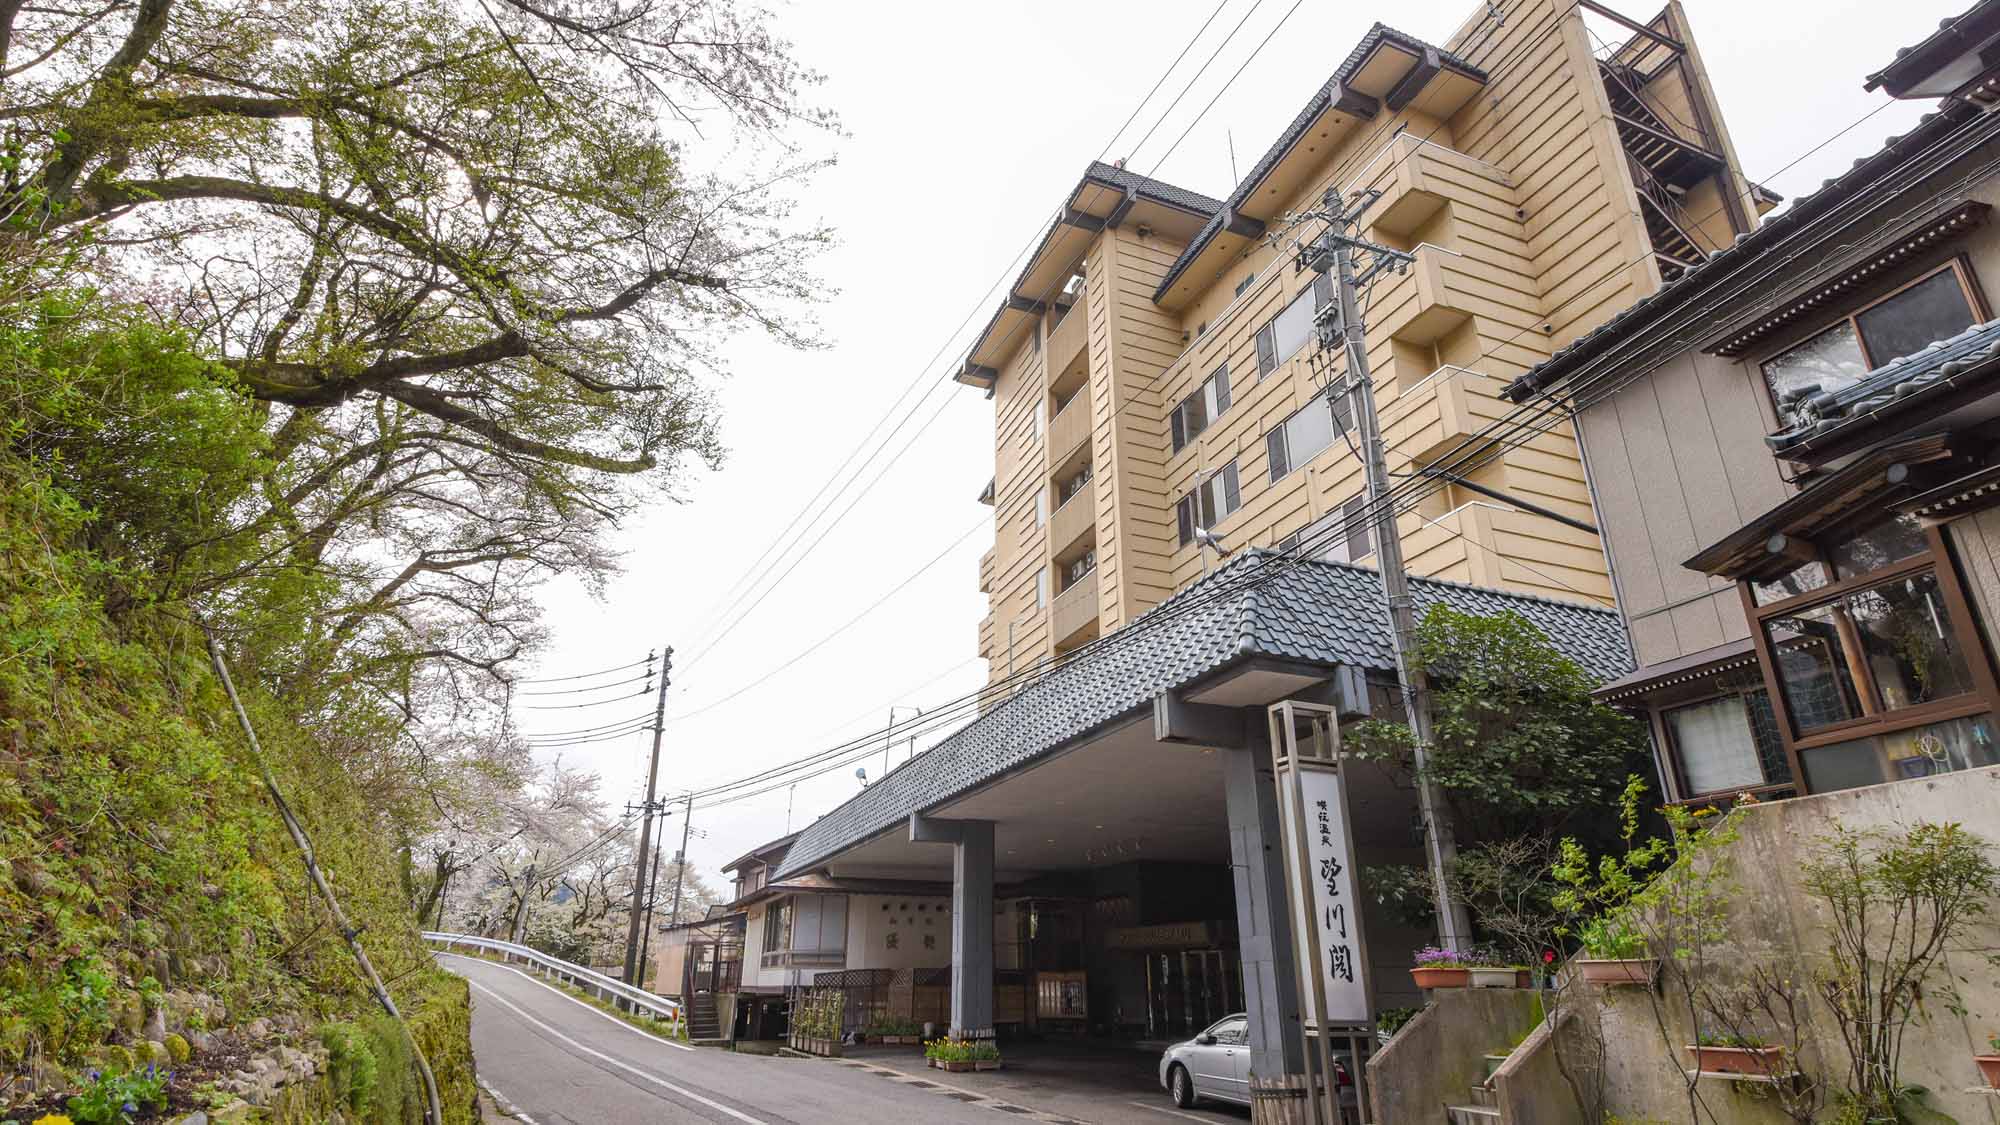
112 1099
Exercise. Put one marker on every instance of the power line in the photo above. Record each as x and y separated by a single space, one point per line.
1026 249
647 678
1226 85
585 675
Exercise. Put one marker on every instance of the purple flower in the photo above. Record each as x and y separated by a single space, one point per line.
128 1107
95 1074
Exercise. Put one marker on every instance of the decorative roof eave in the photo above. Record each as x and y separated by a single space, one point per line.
1945 62
1964 217
1769 543
1962 496
1104 197
1724 657
1334 96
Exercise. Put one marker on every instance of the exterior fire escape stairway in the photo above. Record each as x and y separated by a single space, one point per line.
1664 165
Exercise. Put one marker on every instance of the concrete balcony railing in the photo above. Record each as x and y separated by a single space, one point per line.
1075 519
1436 295
1418 178
1441 412
1070 428
1069 342
1074 610
986 572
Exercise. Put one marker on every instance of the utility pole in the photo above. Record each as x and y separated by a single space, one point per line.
681 859
646 824
1340 325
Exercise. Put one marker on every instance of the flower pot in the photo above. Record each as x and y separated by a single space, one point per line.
1632 971
1760 1061
1439 976
930 1062
1486 977
958 1066
1989 1065
986 1064
1524 978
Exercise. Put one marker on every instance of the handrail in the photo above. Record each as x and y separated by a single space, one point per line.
605 987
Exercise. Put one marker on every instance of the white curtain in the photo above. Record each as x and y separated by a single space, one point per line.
1716 750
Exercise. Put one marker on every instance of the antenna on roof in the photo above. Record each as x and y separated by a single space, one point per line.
1231 134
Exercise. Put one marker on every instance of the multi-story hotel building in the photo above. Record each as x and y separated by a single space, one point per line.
1150 367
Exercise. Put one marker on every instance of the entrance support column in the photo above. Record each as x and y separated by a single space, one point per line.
1264 932
971 919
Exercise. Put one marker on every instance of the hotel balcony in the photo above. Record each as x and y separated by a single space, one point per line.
1074 611
1437 294
1069 346
1069 430
1441 411
1419 178
1072 522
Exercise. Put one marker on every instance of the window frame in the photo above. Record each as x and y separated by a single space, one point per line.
1937 560
1683 792
1184 529
1321 289
1293 463
1968 283
1179 433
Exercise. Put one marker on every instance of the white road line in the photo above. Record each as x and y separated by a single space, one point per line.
529 977
619 1063
506 1106
1170 1112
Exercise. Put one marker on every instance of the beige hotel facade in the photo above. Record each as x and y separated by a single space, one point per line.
1151 371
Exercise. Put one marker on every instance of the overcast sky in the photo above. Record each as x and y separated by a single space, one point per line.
969 123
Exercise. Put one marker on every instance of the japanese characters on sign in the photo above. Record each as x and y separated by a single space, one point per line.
1334 941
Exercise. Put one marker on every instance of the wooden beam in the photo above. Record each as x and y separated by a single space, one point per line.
1241 226
1411 84
1177 721
1117 217
1022 304
1348 101
1078 219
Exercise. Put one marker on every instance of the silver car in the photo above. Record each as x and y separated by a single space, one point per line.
1216 1065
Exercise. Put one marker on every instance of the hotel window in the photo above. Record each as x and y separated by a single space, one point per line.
1035 420
1201 408
1248 280
1041 587
1726 745
1041 506
1283 335
1208 503
1872 649
778 926
1306 434
1934 307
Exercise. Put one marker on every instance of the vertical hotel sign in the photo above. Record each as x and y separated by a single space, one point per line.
1320 872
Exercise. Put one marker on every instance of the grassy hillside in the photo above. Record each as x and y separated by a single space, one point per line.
147 885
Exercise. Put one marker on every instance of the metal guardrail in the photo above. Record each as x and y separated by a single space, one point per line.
605 988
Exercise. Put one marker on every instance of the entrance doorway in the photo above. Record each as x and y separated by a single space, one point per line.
1188 989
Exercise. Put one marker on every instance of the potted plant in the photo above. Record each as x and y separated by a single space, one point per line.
1614 953
985 1056
1989 1065
1735 1054
1438 968
1487 968
954 1055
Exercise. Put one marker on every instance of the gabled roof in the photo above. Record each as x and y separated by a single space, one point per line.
762 851
1334 90
1260 605
1902 384
1886 165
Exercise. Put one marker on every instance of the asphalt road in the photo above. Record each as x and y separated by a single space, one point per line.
552 1059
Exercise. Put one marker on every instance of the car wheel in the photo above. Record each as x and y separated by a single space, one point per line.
1181 1086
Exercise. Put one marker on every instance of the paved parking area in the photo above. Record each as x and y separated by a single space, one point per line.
1051 1082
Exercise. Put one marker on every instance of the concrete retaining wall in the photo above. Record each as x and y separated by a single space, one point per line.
1438 1056
1774 917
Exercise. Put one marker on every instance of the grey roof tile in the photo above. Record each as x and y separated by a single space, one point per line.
1258 605
1974 352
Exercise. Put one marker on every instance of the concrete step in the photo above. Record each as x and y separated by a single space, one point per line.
1484 1096
1471 1115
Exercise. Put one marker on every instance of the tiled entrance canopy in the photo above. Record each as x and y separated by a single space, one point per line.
1261 605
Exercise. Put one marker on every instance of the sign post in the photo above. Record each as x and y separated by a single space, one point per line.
1324 896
